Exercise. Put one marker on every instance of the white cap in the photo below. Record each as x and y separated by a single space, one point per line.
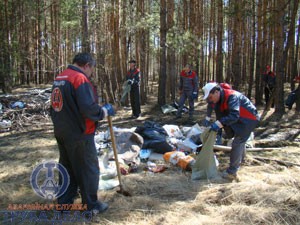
207 88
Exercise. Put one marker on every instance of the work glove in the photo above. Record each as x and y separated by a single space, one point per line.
206 122
216 126
108 110
195 95
130 82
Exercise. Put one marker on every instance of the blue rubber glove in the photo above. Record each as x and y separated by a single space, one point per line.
206 123
214 127
195 95
109 110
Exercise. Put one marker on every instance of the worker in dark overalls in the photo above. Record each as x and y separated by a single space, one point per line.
133 79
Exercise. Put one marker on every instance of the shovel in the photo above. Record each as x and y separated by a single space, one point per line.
121 191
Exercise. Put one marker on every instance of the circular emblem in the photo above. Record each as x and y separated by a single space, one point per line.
56 99
44 178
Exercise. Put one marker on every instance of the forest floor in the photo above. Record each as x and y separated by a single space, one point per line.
268 191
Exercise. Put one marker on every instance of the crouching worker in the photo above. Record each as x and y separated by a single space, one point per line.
210 108
236 111
75 112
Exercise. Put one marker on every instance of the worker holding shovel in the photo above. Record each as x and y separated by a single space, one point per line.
236 111
75 112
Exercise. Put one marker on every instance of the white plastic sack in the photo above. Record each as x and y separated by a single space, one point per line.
4 124
173 131
168 109
108 184
195 130
187 145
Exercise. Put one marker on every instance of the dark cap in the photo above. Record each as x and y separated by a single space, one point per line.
132 61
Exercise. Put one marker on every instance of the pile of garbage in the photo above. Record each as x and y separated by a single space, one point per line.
151 145
21 110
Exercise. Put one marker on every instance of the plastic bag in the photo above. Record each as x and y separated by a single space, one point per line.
205 166
180 159
17 104
173 131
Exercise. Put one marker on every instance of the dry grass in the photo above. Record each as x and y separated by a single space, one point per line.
172 198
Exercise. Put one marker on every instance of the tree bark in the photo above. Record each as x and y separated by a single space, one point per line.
5 62
295 63
236 51
219 63
142 50
279 56
252 53
163 56
171 56
258 66
291 35
85 27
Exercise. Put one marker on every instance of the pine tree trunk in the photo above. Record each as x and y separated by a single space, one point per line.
219 63
252 53
171 65
279 48
295 71
85 27
258 66
5 64
141 39
236 51
163 55
291 33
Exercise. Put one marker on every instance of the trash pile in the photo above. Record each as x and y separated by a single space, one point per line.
21 110
151 145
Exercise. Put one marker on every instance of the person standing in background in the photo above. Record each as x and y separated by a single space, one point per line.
269 80
133 79
188 89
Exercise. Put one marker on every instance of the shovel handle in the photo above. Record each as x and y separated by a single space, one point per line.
113 141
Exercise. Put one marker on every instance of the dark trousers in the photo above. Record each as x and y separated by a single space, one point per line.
268 93
186 95
239 146
80 159
135 100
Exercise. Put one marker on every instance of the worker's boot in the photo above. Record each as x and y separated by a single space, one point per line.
229 176
100 208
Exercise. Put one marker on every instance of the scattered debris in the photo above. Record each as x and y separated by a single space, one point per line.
228 149
27 109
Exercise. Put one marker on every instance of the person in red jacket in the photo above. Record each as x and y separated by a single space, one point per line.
207 121
235 110
188 89
75 112
133 79
269 80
